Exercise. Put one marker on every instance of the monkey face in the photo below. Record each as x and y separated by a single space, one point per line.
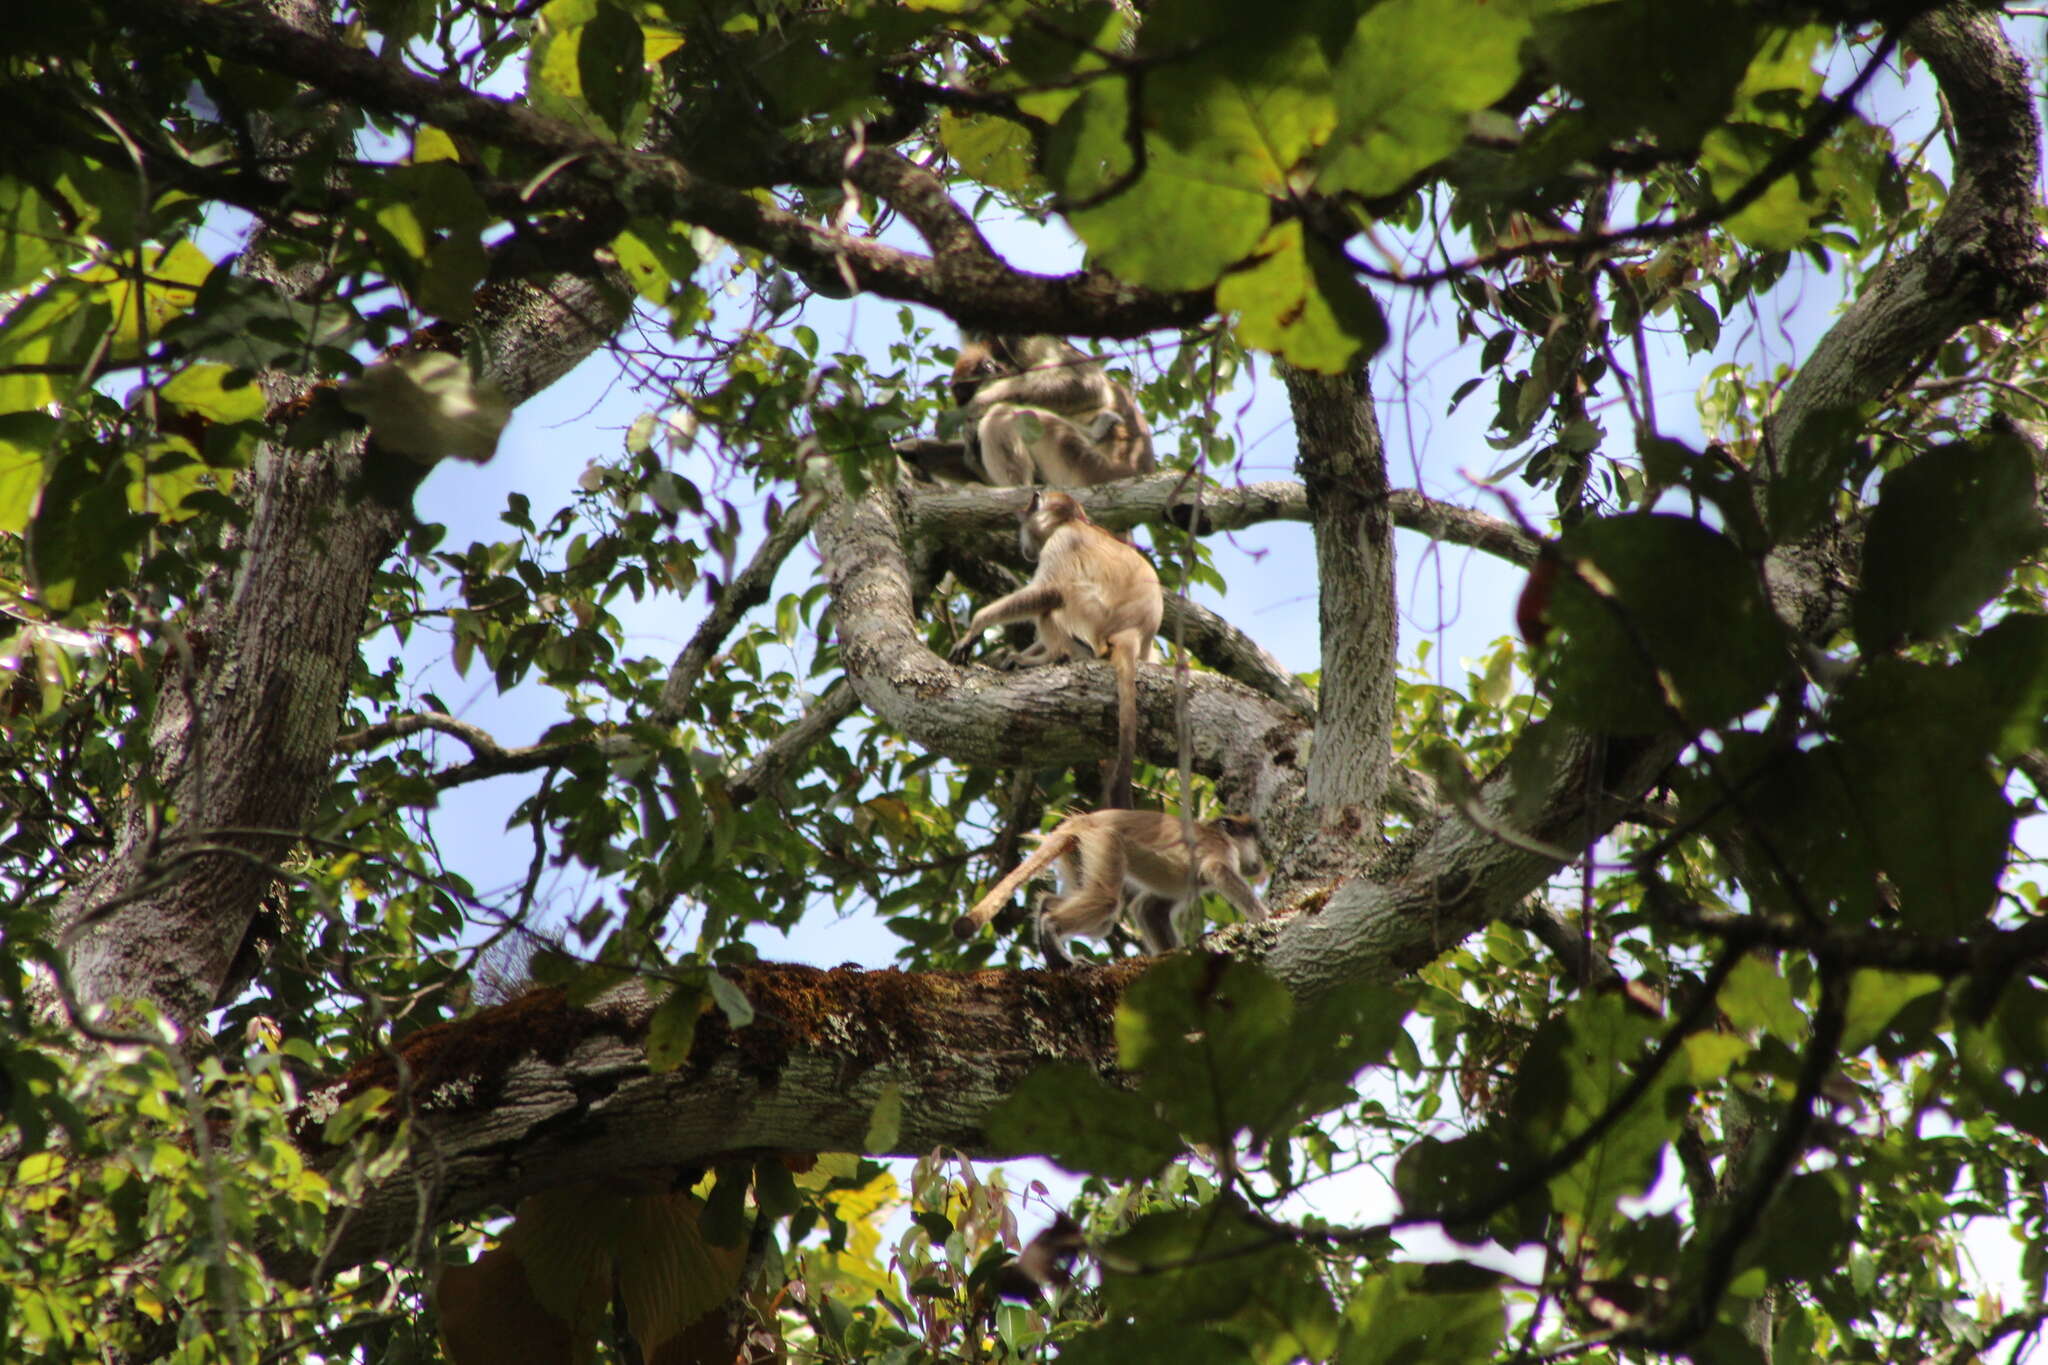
976 365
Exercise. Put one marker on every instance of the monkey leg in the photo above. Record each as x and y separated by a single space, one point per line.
1033 599
1154 918
1095 883
1006 435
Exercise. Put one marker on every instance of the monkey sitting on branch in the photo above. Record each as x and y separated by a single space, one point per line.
1106 855
1091 595
1040 410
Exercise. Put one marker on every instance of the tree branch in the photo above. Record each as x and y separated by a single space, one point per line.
956 514
1065 713
1343 465
749 589
839 702
967 280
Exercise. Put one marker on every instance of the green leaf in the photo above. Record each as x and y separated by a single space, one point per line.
1222 1048
2005 1061
1648 65
1802 798
82 530
1781 75
993 151
449 276
1206 1265
1786 213
1950 526
886 1120
1151 233
611 64
1065 1111
32 240
1411 77
204 389
1435 1177
1581 1060
24 437
1298 299
1120 1343
1874 998
1394 1320
1757 996
2004 676
731 1000
673 1027
1920 793
1660 609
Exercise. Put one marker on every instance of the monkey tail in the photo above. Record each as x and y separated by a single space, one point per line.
1123 657
1050 847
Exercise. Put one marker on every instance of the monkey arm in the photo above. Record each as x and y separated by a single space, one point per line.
1221 876
1031 600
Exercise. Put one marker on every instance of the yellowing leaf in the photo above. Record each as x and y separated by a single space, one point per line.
163 474
669 1273
203 389
171 280
488 1312
1301 301
431 144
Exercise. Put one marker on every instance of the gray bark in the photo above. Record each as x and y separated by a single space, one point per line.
243 738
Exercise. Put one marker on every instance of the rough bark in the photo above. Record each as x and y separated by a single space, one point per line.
243 737
538 1093
1062 714
1344 467
508 1104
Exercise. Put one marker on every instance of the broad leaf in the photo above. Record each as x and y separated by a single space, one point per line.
1949 528
1412 76
1065 1111
1661 615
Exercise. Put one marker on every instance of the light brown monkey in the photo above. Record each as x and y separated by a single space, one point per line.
1106 855
1091 595
1040 410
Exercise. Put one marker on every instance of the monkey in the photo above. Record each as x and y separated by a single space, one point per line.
1107 854
1040 410
1045 1262
1090 592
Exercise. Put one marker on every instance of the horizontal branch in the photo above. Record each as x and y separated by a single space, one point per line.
496 1117
954 513
964 277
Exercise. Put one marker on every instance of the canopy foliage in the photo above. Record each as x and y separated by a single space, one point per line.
1678 970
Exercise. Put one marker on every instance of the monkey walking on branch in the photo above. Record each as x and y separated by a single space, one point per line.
1091 595
1106 855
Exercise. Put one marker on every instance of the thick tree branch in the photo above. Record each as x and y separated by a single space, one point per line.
1235 655
956 513
1062 714
1981 258
244 734
1343 466
538 1093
